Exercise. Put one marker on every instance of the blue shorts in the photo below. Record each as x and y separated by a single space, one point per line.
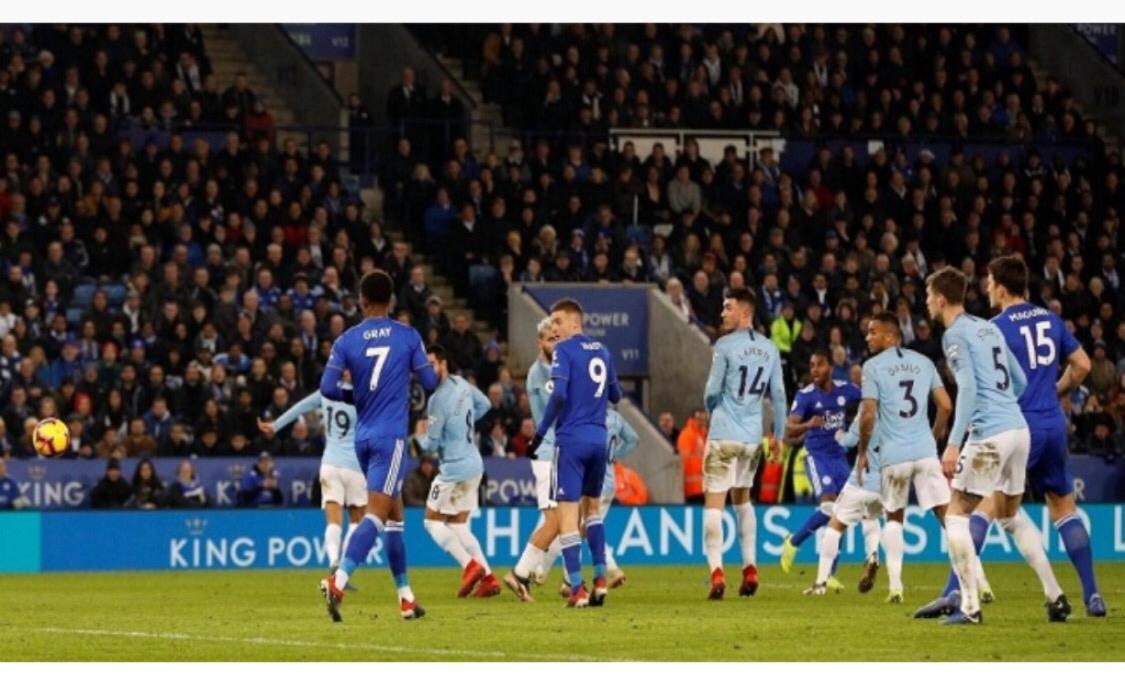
1047 467
579 470
382 460
828 475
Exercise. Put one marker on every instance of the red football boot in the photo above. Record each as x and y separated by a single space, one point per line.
411 609
749 581
579 599
332 597
488 587
718 584
473 573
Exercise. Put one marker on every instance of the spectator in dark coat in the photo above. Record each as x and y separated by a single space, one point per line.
112 491
148 489
259 487
186 492
463 345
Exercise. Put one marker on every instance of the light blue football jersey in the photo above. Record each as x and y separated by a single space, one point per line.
539 388
989 380
901 381
621 440
745 366
872 481
339 428
452 410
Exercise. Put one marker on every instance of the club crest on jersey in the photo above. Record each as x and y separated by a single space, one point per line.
841 401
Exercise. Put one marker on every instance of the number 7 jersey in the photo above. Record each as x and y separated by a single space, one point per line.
745 367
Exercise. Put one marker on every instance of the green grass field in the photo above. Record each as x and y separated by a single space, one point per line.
659 615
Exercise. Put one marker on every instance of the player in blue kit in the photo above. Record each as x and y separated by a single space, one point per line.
380 354
992 461
819 410
584 384
1038 340
452 410
745 368
342 483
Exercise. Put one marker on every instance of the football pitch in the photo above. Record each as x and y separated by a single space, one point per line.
660 614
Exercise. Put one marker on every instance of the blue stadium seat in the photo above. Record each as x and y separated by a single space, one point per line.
83 295
74 315
116 294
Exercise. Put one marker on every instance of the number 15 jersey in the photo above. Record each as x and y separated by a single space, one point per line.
745 367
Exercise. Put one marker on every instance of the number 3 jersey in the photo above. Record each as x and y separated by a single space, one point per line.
833 406
988 380
1038 340
901 381
453 409
745 366
339 428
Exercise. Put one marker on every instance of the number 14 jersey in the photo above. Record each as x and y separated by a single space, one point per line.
745 367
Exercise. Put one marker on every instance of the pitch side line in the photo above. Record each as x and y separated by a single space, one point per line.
351 646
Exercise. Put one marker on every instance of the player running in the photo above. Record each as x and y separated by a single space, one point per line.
745 367
543 546
380 354
898 386
819 411
341 480
584 381
452 410
1038 339
993 461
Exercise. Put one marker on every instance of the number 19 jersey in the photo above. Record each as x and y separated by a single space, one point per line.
744 367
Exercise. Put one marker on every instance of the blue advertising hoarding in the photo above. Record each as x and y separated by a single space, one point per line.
324 41
616 316
1104 38
291 538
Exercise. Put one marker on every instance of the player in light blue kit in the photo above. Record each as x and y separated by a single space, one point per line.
745 368
1039 340
342 483
993 460
380 354
452 410
584 384
819 411
543 547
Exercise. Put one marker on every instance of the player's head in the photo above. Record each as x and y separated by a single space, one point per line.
566 319
820 366
375 292
1007 280
439 360
883 332
738 309
945 288
546 337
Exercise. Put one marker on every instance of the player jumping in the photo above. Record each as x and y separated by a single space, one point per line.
745 367
993 461
451 412
584 381
380 354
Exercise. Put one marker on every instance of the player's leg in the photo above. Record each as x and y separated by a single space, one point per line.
592 484
826 486
718 479
465 500
746 518
333 531
568 493
613 572
962 554
530 563
895 548
436 522
869 524
396 557
829 551
355 515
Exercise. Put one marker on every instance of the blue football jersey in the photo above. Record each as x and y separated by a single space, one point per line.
453 409
339 428
901 381
1039 340
380 354
989 379
833 406
745 367
583 374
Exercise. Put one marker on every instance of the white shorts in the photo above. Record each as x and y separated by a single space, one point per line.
998 463
729 464
855 503
342 486
543 472
930 485
453 497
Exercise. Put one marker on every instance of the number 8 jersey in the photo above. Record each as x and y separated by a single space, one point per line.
745 367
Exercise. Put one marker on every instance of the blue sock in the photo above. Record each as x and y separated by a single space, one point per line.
978 526
818 519
363 539
1077 543
396 553
595 538
572 558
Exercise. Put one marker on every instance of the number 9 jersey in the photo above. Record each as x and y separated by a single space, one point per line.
584 369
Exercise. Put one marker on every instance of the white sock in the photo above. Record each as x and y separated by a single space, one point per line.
713 537
529 561
550 556
870 537
961 555
895 548
829 548
610 562
1030 544
747 532
332 534
469 542
347 539
447 540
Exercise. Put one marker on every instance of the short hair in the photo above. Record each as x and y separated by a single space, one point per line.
950 283
438 351
889 320
376 287
1010 271
544 326
567 305
821 352
742 296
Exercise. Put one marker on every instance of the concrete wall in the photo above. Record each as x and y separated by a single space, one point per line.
679 359
654 459
1094 81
